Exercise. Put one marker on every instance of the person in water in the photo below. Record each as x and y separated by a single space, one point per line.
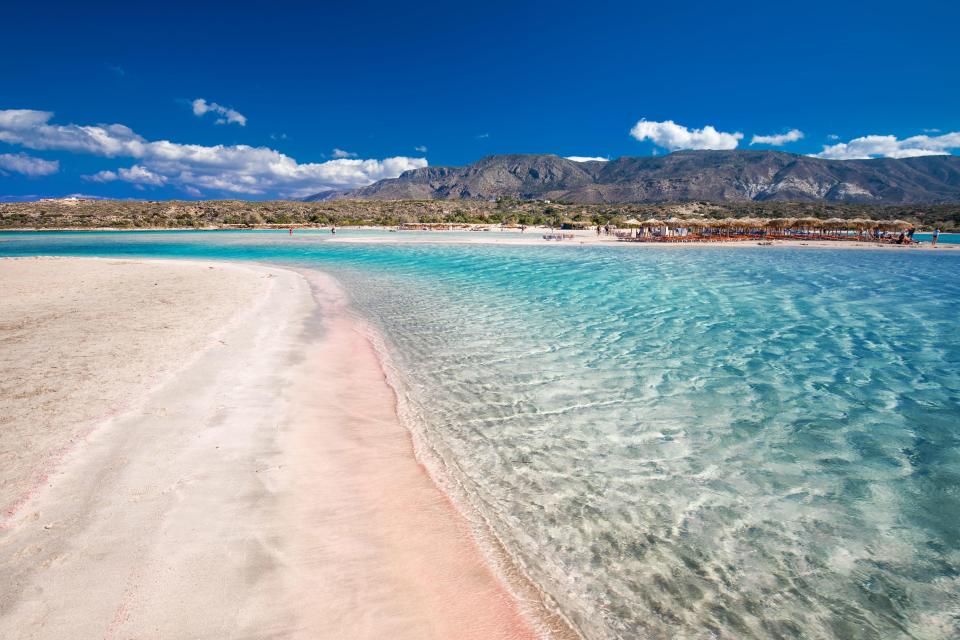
910 235
333 230
936 235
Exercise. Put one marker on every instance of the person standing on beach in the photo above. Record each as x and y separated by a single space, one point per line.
936 235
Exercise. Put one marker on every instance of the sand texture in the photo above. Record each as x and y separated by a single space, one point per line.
250 478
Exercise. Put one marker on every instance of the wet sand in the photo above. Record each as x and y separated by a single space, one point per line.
256 484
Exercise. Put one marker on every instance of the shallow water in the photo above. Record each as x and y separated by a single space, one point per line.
675 442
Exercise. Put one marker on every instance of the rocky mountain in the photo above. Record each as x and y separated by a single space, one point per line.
718 176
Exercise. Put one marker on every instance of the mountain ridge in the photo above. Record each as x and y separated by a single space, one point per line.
719 176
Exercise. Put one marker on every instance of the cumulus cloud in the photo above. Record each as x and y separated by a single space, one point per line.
877 146
340 153
235 168
227 115
134 175
27 165
672 136
421 148
587 159
779 139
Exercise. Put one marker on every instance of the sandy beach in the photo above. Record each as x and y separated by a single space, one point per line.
211 451
535 236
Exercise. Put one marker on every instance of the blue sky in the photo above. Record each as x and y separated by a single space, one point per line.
101 98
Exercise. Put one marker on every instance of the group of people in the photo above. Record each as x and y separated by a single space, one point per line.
906 237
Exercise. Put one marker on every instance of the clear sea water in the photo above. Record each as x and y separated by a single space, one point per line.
678 442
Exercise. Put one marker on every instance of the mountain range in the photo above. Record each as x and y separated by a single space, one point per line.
716 176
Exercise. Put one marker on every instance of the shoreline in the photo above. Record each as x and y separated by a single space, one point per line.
494 235
551 622
311 517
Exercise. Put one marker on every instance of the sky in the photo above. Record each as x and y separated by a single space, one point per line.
284 99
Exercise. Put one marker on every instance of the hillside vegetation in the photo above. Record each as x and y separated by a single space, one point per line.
129 214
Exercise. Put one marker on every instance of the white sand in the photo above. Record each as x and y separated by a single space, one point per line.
81 340
263 489
534 236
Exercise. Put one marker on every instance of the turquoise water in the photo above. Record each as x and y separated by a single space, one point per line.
945 238
680 442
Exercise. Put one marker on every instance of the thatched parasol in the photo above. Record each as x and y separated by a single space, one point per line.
653 222
863 224
836 223
779 223
632 222
895 225
675 223
808 223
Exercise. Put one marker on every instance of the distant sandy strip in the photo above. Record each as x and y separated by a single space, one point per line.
199 450
534 236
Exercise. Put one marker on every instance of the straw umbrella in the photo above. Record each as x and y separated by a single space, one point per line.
808 223
700 223
862 225
651 223
899 225
779 224
748 223
836 224
722 225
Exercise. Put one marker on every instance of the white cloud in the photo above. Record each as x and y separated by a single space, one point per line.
227 115
135 175
421 148
833 136
234 168
340 153
103 176
27 165
778 139
673 136
876 146
587 159
482 136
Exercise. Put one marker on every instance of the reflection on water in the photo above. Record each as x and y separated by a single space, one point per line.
686 443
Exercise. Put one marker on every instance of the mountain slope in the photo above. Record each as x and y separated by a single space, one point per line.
682 176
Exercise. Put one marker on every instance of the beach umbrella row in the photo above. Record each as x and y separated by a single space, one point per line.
808 223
